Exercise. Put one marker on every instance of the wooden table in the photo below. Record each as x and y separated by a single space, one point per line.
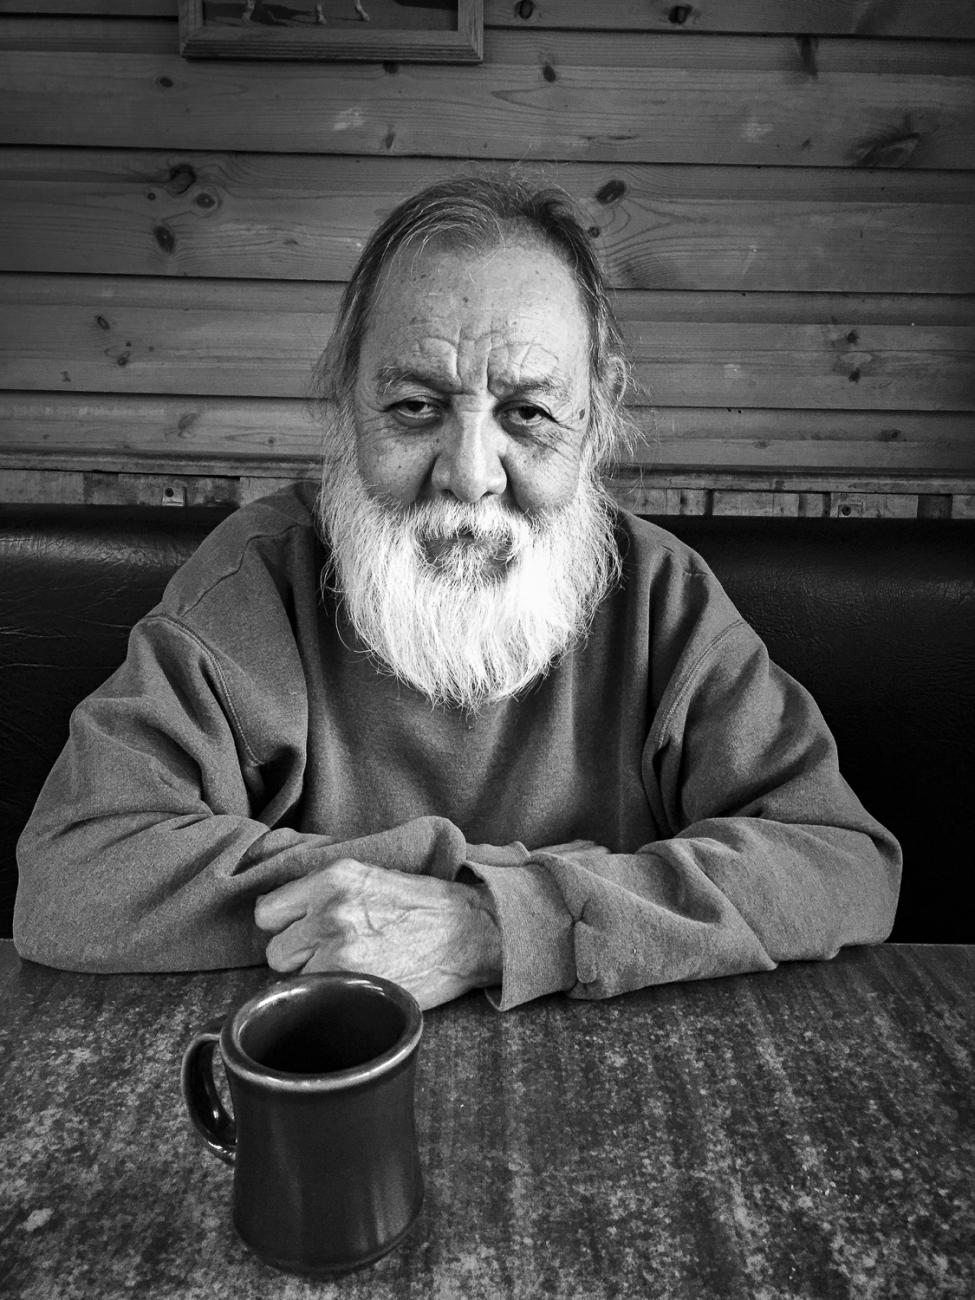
803 1133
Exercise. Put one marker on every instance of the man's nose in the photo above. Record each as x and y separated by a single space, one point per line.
468 464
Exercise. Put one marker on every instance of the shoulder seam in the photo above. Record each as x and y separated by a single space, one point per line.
226 696
690 563
242 554
682 689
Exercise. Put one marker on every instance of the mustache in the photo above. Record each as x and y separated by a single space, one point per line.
489 522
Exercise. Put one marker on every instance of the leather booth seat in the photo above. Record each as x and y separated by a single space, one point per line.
875 617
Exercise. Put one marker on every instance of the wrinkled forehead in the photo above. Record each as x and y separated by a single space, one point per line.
506 297
462 323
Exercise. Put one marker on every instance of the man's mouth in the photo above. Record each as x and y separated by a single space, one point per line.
490 553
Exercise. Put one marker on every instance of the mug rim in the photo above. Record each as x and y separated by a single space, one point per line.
238 1060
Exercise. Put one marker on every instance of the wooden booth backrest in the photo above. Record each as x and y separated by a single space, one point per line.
783 191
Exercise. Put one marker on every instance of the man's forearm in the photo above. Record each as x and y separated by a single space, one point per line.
472 944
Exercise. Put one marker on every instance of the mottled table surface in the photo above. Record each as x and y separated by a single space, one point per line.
803 1133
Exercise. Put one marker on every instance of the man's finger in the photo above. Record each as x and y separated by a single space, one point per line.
284 955
290 902
282 906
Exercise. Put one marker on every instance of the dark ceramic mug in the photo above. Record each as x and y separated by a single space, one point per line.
322 1139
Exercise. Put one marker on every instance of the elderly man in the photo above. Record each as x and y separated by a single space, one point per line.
456 721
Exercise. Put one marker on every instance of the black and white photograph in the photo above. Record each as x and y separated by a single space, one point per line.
487 649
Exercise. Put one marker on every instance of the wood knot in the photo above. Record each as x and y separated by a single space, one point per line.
164 237
181 178
679 14
611 191
549 73
524 9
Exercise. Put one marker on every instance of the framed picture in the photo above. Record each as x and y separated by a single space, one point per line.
431 31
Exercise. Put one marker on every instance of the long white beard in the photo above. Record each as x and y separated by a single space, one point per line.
468 604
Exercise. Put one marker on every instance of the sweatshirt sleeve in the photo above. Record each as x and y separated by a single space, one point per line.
768 856
158 828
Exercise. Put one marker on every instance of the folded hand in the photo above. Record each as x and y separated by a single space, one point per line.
435 937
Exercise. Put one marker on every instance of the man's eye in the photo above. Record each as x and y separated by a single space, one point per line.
415 411
525 416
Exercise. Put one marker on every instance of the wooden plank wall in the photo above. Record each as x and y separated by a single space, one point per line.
783 191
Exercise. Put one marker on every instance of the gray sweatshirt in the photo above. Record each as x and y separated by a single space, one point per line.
250 738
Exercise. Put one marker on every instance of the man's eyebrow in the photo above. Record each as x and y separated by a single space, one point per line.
533 386
390 375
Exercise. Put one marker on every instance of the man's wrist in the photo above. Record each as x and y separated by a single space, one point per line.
477 943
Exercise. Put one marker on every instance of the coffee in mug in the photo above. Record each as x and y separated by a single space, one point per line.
322 1138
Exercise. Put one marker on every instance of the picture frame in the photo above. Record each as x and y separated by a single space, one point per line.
428 31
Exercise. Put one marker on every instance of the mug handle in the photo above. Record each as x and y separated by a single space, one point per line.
203 1102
